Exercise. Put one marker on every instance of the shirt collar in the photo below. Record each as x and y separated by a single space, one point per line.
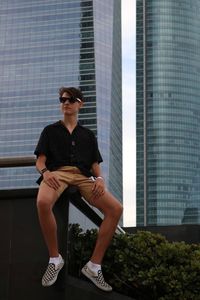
60 123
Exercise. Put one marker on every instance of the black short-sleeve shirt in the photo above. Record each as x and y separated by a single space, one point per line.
63 148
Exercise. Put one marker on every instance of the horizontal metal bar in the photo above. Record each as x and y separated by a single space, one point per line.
17 161
120 230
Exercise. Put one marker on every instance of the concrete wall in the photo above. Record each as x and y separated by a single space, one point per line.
24 257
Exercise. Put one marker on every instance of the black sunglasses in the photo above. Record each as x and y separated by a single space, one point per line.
71 99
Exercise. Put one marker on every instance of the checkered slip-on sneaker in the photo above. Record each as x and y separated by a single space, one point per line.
51 274
97 279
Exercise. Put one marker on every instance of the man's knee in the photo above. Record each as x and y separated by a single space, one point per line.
44 203
117 210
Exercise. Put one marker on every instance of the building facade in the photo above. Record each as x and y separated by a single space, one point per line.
48 44
168 112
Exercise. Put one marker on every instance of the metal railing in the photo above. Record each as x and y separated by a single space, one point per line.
18 161
87 210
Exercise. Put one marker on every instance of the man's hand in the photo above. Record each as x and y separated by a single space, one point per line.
98 187
51 180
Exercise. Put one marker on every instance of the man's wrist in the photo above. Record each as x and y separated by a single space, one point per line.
99 177
43 171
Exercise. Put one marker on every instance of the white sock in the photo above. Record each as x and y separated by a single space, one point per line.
94 267
55 260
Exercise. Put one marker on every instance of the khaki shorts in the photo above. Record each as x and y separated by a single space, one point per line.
72 176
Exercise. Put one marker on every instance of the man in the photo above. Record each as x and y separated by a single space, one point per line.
67 154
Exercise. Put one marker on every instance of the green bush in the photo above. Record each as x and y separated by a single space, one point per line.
142 265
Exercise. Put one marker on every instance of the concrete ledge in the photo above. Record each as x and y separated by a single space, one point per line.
173 233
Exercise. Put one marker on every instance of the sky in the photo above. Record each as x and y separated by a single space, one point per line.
129 110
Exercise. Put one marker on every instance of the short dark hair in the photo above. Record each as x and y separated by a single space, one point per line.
72 91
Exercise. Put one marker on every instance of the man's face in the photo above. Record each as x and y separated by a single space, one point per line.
69 108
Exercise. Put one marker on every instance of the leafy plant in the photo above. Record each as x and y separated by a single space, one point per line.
142 265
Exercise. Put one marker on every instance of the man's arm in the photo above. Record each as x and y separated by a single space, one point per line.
96 170
41 163
99 184
49 178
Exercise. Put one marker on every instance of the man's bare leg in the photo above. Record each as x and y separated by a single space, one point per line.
112 210
46 199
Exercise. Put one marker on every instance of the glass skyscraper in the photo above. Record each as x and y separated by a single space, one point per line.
52 43
168 112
